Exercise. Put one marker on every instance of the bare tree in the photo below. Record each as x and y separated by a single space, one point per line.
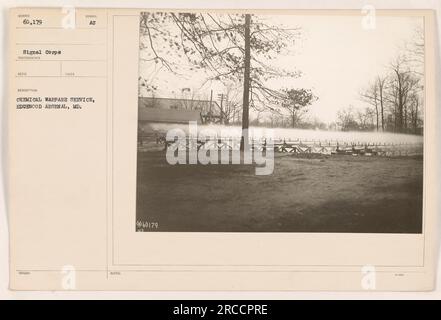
366 119
372 96
414 111
397 95
381 84
346 119
414 51
402 84
230 106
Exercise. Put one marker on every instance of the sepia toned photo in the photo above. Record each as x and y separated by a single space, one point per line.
225 149
280 123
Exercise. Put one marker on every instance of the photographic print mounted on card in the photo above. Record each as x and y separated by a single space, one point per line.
280 123
222 149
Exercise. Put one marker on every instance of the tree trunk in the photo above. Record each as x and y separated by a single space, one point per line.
404 118
415 121
400 104
246 84
376 114
382 110
380 92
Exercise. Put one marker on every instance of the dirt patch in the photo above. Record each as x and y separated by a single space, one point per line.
317 194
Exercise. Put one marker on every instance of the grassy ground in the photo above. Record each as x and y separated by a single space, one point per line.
332 194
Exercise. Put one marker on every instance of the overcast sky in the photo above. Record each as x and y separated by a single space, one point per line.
336 55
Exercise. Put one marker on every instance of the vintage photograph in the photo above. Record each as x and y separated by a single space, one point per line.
254 122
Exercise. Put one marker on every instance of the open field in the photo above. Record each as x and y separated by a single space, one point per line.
319 194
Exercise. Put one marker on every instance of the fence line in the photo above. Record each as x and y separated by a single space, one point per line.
295 146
